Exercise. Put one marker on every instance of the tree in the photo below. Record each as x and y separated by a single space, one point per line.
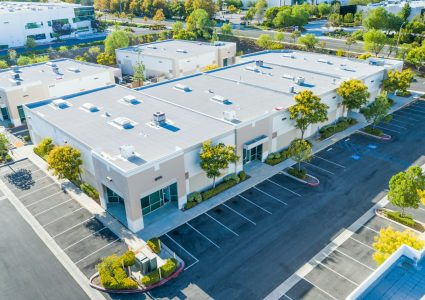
416 56
398 81
295 35
65 162
226 29
279 36
349 18
159 16
3 64
354 93
249 15
307 110
117 39
376 19
324 9
309 40
208 5
299 151
105 58
177 26
215 158
4 146
92 53
264 41
30 43
389 240
377 111
374 40
405 187
260 8
139 73
200 23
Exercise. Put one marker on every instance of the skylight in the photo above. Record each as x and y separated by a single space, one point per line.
221 99
123 122
130 100
182 87
89 107
61 104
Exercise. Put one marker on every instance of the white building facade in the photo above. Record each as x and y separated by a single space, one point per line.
43 22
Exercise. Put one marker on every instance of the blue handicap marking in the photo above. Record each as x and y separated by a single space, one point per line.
372 146
355 157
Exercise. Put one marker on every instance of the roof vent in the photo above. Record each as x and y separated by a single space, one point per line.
289 55
287 76
292 89
127 151
299 80
50 64
181 51
259 63
221 99
182 87
159 118
151 47
74 69
15 76
130 99
324 61
60 103
90 107
229 115
123 122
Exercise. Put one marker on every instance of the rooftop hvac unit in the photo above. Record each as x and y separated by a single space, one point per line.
259 63
90 107
299 80
55 69
15 81
15 76
15 69
130 99
159 118
50 64
220 99
289 55
60 103
287 76
123 122
182 87
127 151
74 69
376 62
229 115
324 61
292 89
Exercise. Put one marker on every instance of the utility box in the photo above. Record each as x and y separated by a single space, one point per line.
146 261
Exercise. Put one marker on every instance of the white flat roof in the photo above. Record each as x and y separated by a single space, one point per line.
17 7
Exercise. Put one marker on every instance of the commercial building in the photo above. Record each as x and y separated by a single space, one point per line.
175 58
395 6
25 84
43 22
141 147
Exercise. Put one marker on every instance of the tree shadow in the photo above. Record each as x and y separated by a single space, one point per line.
21 179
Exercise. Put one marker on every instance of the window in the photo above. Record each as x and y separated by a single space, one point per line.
33 25
5 114
37 37
83 14
159 198
21 113
113 197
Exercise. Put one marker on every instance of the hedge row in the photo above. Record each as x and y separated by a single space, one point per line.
111 272
230 180
277 157
396 216
89 191
374 131
297 173
155 245
166 270
342 124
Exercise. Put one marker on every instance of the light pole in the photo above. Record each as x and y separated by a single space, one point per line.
399 33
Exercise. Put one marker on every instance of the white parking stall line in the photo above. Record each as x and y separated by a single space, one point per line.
239 214
398 126
37 190
262 208
97 251
207 238
285 188
340 275
271 196
287 297
86 237
324 170
25 164
410 115
329 161
371 229
61 217
407 117
419 106
53 207
208 215
35 181
72 227
181 247
413 111
320 289
42 199
361 243
384 128
353 259
401 122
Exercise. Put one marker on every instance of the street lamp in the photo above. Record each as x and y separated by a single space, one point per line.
399 33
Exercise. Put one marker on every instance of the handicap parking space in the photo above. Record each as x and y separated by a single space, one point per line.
80 235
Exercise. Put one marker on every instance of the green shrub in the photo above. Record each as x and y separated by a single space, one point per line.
277 157
89 190
169 267
155 245
231 177
128 258
218 189
190 204
151 278
297 173
27 138
242 175
194 197
112 275
342 124
396 216
374 131
44 147
8 158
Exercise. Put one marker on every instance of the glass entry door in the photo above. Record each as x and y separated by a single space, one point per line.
159 198
252 154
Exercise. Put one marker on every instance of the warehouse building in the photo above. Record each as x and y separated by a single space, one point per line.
141 147
43 22
175 58
25 84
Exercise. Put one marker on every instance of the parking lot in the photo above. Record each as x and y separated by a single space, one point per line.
82 237
247 246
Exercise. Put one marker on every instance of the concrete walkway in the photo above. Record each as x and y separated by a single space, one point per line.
159 224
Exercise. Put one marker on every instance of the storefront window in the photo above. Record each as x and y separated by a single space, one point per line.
33 25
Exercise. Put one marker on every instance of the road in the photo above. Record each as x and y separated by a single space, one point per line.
29 269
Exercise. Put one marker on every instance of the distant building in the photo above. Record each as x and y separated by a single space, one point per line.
395 6
175 58
278 3
141 147
43 22
21 85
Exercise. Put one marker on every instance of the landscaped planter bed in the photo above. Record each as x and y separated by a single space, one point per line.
375 133
308 179
406 220
341 125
